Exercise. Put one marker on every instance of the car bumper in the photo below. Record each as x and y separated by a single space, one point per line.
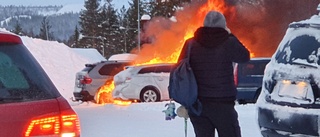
82 96
246 94
77 96
287 121
125 92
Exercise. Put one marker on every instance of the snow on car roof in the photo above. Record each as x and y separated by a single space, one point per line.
315 19
123 56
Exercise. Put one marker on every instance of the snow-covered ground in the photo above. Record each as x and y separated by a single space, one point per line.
136 120
147 120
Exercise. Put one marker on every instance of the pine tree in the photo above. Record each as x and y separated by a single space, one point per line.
18 29
110 29
30 33
166 8
89 22
45 28
133 18
124 27
74 39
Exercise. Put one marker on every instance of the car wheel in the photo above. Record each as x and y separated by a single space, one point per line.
103 98
149 95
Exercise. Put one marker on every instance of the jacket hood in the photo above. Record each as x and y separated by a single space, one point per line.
211 36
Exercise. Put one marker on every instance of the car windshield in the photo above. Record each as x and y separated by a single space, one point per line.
21 77
302 49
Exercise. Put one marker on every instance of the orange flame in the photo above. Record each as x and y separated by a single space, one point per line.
170 37
104 94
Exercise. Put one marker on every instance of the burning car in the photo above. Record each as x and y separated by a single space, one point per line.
90 79
289 103
146 83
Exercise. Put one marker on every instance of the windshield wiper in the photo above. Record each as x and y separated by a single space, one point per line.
305 64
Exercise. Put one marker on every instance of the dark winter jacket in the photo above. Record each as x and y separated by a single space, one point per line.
212 58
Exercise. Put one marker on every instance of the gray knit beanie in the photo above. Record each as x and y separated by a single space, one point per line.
215 19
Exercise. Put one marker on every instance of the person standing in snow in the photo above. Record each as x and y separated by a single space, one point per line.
212 56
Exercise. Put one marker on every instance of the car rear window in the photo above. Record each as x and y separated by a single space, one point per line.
21 77
304 49
253 68
112 69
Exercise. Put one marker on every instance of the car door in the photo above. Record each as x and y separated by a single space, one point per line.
250 77
162 80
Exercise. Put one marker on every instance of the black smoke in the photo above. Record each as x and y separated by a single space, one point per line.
261 24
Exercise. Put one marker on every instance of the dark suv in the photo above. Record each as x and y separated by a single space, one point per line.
248 79
90 79
30 104
289 104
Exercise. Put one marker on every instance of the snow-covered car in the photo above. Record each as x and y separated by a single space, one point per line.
289 103
145 83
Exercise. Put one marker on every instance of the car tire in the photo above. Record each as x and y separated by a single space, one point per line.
149 94
103 98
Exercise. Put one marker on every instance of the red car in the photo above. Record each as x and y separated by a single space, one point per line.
30 104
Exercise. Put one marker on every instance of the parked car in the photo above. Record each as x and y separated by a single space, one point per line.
289 104
89 80
30 104
145 83
248 79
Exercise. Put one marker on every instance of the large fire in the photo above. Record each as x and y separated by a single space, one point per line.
170 38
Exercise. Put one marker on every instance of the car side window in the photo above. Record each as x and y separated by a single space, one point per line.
111 69
147 70
253 68
163 69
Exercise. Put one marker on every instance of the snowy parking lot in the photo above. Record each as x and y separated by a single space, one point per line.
147 120
135 120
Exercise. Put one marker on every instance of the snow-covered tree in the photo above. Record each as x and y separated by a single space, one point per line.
89 23
109 30
124 27
166 8
132 21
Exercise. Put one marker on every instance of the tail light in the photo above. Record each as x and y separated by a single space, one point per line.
65 124
86 80
235 74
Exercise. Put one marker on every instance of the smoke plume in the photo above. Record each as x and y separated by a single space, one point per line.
259 24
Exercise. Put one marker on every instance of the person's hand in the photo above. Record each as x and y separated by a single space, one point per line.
182 112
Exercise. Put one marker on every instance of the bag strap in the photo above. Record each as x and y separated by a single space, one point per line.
189 49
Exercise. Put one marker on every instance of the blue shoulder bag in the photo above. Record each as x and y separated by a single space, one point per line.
183 86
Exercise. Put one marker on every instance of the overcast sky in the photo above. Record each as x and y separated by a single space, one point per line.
118 3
